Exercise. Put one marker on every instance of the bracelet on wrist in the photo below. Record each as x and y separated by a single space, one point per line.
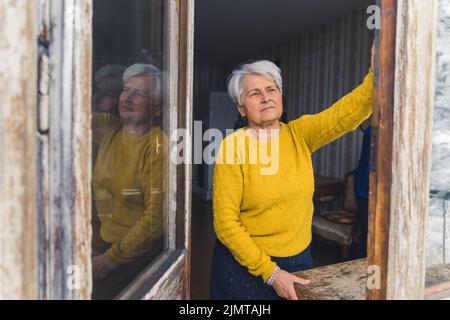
271 279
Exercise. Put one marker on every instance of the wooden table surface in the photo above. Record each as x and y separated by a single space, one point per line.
343 281
347 281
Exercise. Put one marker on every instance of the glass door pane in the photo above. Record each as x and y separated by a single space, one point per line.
130 141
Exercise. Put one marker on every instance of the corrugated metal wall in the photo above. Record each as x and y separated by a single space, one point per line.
319 67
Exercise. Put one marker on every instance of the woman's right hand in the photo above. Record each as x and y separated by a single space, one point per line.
284 284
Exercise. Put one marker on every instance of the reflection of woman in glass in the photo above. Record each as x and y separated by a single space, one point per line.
127 174
108 87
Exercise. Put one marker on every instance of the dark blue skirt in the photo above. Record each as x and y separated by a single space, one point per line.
231 281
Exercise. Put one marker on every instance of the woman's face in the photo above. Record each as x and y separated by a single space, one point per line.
136 100
261 101
104 98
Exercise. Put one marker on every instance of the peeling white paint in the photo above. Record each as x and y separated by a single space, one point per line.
18 64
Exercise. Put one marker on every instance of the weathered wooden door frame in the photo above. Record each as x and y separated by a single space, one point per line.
401 147
18 145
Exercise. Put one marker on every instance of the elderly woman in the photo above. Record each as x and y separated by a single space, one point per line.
108 86
263 221
127 174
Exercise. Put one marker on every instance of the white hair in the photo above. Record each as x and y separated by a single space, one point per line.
262 67
109 70
141 69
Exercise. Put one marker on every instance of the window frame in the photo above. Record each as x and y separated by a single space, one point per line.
64 149
65 154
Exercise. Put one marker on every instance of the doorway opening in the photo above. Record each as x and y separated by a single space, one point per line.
323 50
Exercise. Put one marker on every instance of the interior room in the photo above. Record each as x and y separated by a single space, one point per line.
323 49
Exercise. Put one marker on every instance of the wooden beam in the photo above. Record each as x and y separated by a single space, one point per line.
381 144
185 120
411 165
401 167
18 213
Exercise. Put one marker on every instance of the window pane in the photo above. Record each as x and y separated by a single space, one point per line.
129 141
438 249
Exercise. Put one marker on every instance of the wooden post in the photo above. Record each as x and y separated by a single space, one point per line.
185 120
381 153
400 168
65 149
18 214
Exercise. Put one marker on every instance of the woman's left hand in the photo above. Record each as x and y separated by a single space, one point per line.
101 266
284 284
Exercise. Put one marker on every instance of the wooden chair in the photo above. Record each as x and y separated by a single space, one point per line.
339 226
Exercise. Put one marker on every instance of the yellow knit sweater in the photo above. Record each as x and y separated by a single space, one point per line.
127 185
258 215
